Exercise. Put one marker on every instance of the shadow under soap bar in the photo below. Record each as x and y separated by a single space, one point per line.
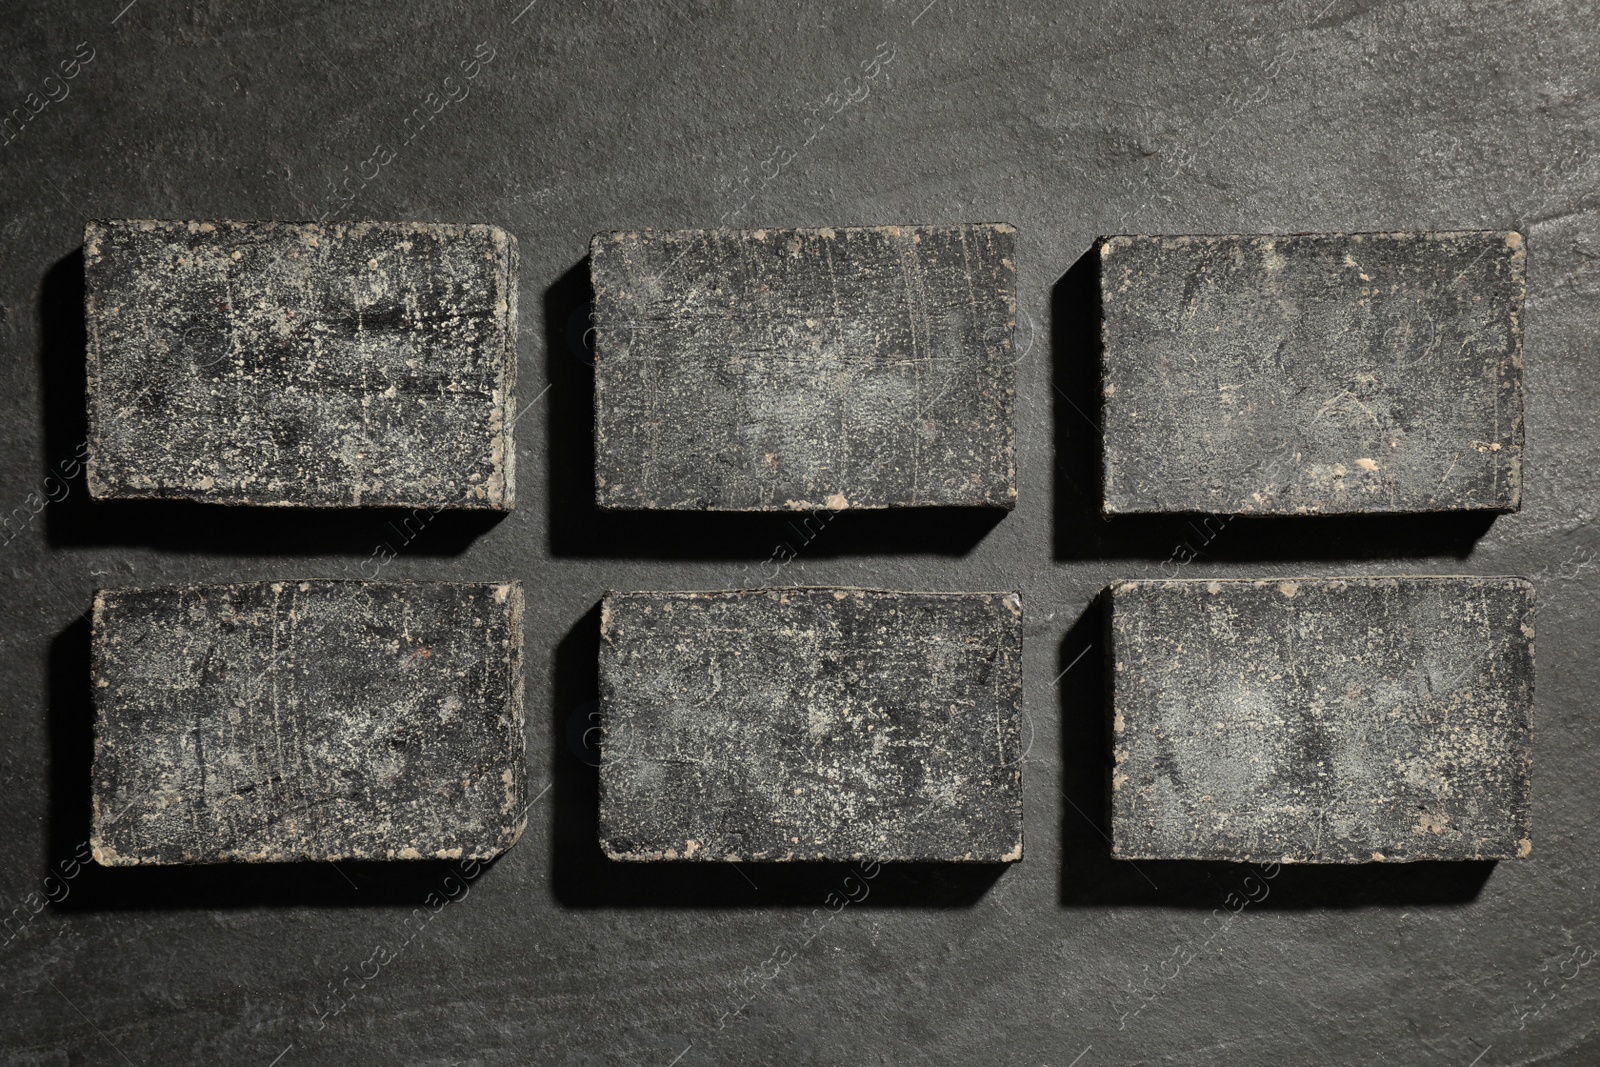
314 720
1322 720
811 724
773 370
270 363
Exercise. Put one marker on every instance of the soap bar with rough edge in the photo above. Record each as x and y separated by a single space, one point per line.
271 363
1312 373
771 370
1322 720
811 724
313 720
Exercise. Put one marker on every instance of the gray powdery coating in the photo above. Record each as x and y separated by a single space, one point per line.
269 363
770 370
1322 720
1313 373
315 720
811 724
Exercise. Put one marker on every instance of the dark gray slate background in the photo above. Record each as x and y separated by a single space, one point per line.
1066 122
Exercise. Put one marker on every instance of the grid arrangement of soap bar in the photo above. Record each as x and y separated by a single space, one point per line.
1318 720
769 370
811 724
1312 373
1326 720
293 364
312 720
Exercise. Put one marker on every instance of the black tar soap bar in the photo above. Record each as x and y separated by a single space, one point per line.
811 724
770 370
1322 720
317 720
368 364
1313 373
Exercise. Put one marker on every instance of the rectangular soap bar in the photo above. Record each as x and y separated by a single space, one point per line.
315 720
1322 720
811 724
1312 373
272 363
770 370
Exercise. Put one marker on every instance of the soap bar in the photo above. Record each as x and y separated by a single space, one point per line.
811 724
1312 373
1322 720
314 720
269 363
771 370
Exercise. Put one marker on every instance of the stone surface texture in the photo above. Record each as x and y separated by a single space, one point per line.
315 720
767 370
294 364
1070 121
811 724
1322 720
1313 373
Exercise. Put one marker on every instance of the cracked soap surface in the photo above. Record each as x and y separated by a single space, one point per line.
296 364
811 724
1315 373
307 721
752 370
1322 720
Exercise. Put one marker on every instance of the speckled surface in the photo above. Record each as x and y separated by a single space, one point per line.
1069 121
307 720
769 370
297 364
1322 720
811 724
1313 373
